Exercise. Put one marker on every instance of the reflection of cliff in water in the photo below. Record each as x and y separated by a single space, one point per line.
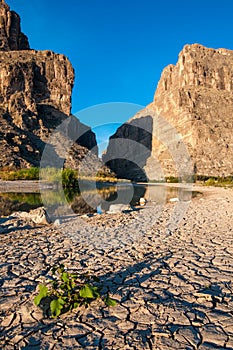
127 194
159 194
105 196
102 197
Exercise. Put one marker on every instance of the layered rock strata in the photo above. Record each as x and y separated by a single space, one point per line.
11 37
194 98
35 97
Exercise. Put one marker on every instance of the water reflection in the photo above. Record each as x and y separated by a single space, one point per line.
12 202
95 201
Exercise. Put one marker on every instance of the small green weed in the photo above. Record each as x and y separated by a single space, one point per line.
67 291
219 181
172 179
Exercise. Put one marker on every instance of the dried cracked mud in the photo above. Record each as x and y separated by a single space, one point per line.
174 286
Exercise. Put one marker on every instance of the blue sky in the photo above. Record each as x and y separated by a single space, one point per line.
119 47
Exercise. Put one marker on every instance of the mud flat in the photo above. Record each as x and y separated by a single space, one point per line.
173 285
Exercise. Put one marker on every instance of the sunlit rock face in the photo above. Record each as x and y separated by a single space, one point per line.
35 97
11 37
32 83
195 98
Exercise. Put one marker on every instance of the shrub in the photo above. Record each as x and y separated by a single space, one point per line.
22 174
172 179
69 178
210 182
219 181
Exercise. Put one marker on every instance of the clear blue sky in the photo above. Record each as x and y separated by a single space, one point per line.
119 47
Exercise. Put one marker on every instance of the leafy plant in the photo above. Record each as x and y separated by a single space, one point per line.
68 291
69 178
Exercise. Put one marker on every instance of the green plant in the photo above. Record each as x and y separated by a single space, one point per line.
219 181
50 174
172 179
68 291
211 182
20 174
70 178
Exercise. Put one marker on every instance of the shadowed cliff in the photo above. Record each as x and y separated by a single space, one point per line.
191 117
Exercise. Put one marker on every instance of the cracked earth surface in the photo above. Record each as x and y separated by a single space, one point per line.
174 287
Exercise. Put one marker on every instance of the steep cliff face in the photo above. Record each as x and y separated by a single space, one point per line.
31 83
195 97
129 148
11 37
35 97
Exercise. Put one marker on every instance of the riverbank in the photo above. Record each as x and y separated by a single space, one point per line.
24 186
173 285
35 186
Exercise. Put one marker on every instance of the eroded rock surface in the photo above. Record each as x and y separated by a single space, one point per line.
195 97
11 37
35 97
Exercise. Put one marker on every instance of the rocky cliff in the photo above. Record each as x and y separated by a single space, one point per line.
35 97
129 149
195 97
11 37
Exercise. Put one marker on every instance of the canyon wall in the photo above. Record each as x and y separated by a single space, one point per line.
11 37
194 98
35 97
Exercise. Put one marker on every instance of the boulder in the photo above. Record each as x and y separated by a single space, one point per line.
37 216
118 208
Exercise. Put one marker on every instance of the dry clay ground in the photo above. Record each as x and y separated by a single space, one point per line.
174 286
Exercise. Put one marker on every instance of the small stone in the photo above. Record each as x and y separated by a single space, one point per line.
57 222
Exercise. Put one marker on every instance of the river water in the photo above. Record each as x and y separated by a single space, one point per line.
99 200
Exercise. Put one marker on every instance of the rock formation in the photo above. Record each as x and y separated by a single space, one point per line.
129 148
195 97
35 97
11 37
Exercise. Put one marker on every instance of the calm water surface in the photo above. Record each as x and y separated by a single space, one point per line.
100 200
